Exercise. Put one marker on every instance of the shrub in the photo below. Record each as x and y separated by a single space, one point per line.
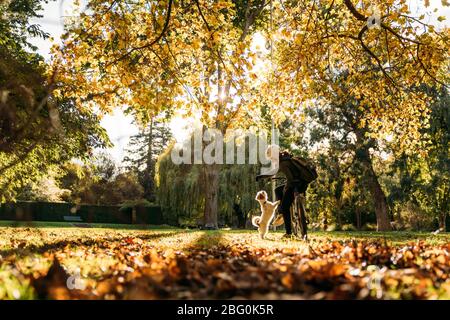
369 227
332 227
414 218
348 227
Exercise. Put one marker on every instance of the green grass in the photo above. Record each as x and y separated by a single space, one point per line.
395 237
45 224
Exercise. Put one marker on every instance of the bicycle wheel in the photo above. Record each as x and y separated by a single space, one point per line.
301 216
295 226
303 222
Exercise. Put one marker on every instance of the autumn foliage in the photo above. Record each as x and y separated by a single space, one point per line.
197 265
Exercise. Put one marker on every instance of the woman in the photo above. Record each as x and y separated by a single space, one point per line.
299 173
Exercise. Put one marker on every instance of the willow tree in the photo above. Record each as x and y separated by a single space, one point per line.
176 183
196 55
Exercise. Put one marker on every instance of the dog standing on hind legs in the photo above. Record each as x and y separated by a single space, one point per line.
268 208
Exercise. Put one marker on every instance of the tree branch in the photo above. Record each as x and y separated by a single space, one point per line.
353 10
159 37
373 55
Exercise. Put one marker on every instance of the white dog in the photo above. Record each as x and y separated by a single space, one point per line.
268 211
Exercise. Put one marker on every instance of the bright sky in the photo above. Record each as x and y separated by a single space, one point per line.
118 125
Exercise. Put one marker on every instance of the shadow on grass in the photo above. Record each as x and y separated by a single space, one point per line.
100 243
208 239
49 224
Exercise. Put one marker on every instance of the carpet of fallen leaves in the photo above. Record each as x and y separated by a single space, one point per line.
175 264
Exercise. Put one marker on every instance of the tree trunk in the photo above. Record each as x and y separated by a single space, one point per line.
381 208
133 215
358 218
442 218
378 196
211 195
149 171
325 223
338 214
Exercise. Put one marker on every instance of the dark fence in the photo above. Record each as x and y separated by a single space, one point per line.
60 212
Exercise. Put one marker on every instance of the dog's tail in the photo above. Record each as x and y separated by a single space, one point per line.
256 220
278 221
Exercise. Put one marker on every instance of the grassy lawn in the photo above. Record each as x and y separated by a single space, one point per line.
42 224
129 262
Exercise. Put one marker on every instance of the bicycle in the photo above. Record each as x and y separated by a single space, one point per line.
299 222
298 216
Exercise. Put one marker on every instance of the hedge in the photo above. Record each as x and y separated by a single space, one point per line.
55 212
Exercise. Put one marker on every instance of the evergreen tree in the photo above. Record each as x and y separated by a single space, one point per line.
144 149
